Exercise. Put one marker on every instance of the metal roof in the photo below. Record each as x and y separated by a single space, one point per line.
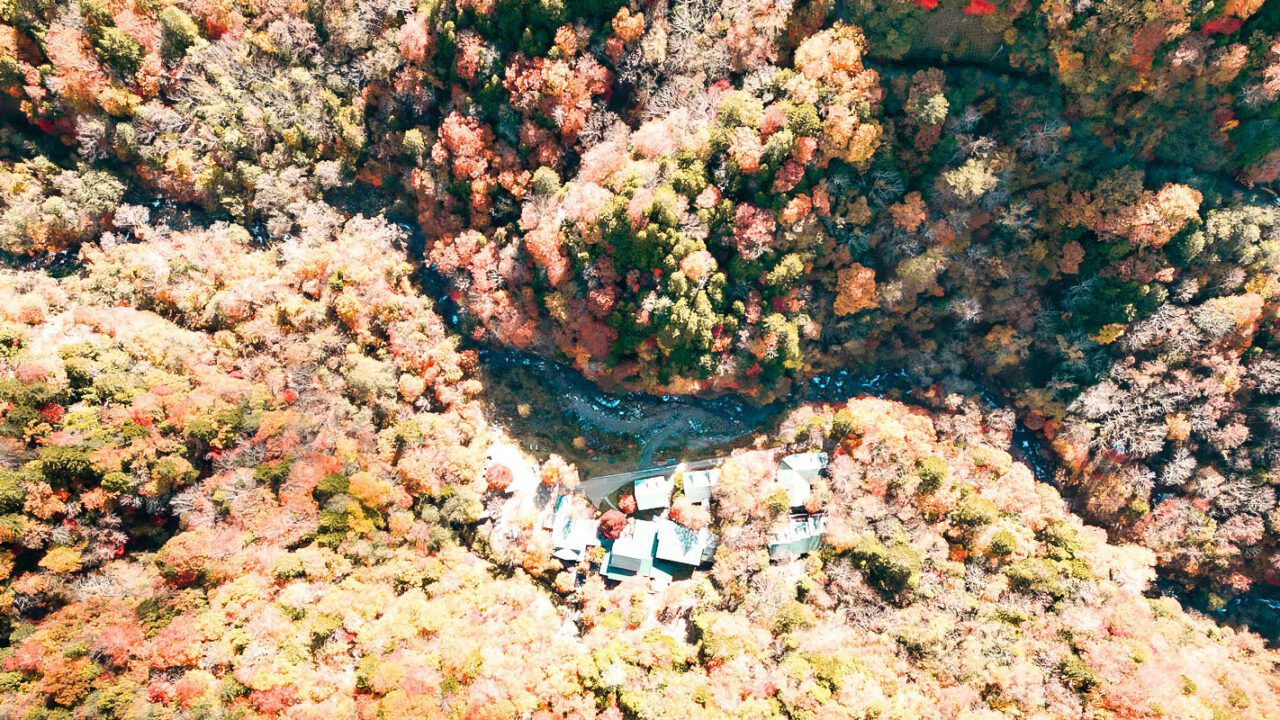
698 483
678 543
800 535
571 535
635 544
796 474
654 492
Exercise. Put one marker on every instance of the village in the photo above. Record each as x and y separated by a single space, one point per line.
652 523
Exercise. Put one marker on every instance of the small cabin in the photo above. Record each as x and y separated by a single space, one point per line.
571 534
654 493
679 544
632 552
800 536
796 474
698 484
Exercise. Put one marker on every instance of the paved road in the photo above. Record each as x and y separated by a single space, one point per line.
599 488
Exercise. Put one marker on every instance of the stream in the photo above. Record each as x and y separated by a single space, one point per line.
678 423
668 421
688 423
692 422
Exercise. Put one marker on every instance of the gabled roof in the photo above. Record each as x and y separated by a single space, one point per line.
616 567
798 536
806 463
796 474
698 484
677 543
632 553
660 572
570 534
636 540
654 492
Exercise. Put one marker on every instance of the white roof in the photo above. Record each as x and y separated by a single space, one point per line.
799 529
698 483
796 485
797 472
798 537
677 543
701 478
812 462
636 540
571 535
654 492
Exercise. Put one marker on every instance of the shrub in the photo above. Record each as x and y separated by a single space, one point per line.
973 511
793 615
118 50
932 471
1061 539
627 503
119 482
330 485
1077 675
178 32
843 424
173 471
893 570
498 478
11 491
611 524
274 474
777 503
66 463
461 506
1037 576
61 560
1003 544
289 567
545 181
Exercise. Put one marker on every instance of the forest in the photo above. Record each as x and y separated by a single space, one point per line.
256 257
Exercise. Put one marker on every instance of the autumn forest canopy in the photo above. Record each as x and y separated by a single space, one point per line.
254 255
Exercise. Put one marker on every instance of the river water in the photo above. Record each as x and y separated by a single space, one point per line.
671 422
687 423
674 423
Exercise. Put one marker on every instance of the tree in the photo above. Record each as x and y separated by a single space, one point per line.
855 290
611 524
694 517
498 478
627 504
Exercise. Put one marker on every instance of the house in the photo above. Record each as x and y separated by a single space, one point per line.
796 474
547 501
632 552
653 493
698 484
679 544
800 536
571 534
